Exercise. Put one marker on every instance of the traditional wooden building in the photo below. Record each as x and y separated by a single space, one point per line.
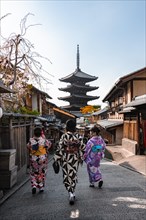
137 116
37 100
78 88
126 115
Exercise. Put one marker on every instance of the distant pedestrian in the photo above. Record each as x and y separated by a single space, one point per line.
86 135
69 153
94 152
38 148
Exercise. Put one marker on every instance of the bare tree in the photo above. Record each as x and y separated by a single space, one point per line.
18 55
19 63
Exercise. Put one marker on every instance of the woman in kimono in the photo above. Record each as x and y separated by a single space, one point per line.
94 152
70 153
38 147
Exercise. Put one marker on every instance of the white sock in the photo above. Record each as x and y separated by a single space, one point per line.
71 194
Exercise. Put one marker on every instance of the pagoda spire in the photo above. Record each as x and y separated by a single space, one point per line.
78 88
78 58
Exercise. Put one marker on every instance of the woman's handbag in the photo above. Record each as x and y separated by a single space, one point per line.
56 166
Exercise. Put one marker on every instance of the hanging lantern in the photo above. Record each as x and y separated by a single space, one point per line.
1 112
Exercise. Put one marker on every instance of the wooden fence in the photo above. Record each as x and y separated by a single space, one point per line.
15 131
130 130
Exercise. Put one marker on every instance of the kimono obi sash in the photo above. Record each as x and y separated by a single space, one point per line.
41 151
96 148
38 149
71 148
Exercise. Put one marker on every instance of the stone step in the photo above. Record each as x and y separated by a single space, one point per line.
117 153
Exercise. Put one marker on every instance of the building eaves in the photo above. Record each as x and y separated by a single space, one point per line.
42 118
41 92
78 96
4 89
70 106
119 83
79 74
12 114
77 113
131 75
63 111
126 110
74 86
100 111
139 100
52 104
106 123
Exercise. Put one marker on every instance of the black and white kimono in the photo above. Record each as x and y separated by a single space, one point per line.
70 153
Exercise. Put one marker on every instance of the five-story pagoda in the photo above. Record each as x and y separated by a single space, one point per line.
78 88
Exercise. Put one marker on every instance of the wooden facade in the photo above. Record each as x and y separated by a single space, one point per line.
15 131
130 130
123 92
138 116
37 100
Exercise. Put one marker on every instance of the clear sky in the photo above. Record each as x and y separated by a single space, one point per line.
111 36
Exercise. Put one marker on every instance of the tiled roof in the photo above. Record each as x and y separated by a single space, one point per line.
100 111
44 93
119 83
79 74
127 109
79 96
109 123
139 100
74 86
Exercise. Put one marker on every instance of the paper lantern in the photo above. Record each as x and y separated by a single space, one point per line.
1 112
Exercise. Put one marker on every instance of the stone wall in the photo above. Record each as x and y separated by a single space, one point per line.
129 145
8 169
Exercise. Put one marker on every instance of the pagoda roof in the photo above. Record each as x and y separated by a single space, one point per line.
73 105
78 74
73 96
75 86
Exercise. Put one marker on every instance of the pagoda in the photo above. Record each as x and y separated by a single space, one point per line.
78 88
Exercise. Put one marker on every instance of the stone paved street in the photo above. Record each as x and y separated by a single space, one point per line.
123 197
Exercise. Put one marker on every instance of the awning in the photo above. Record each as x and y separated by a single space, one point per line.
42 118
101 111
127 109
109 123
139 100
